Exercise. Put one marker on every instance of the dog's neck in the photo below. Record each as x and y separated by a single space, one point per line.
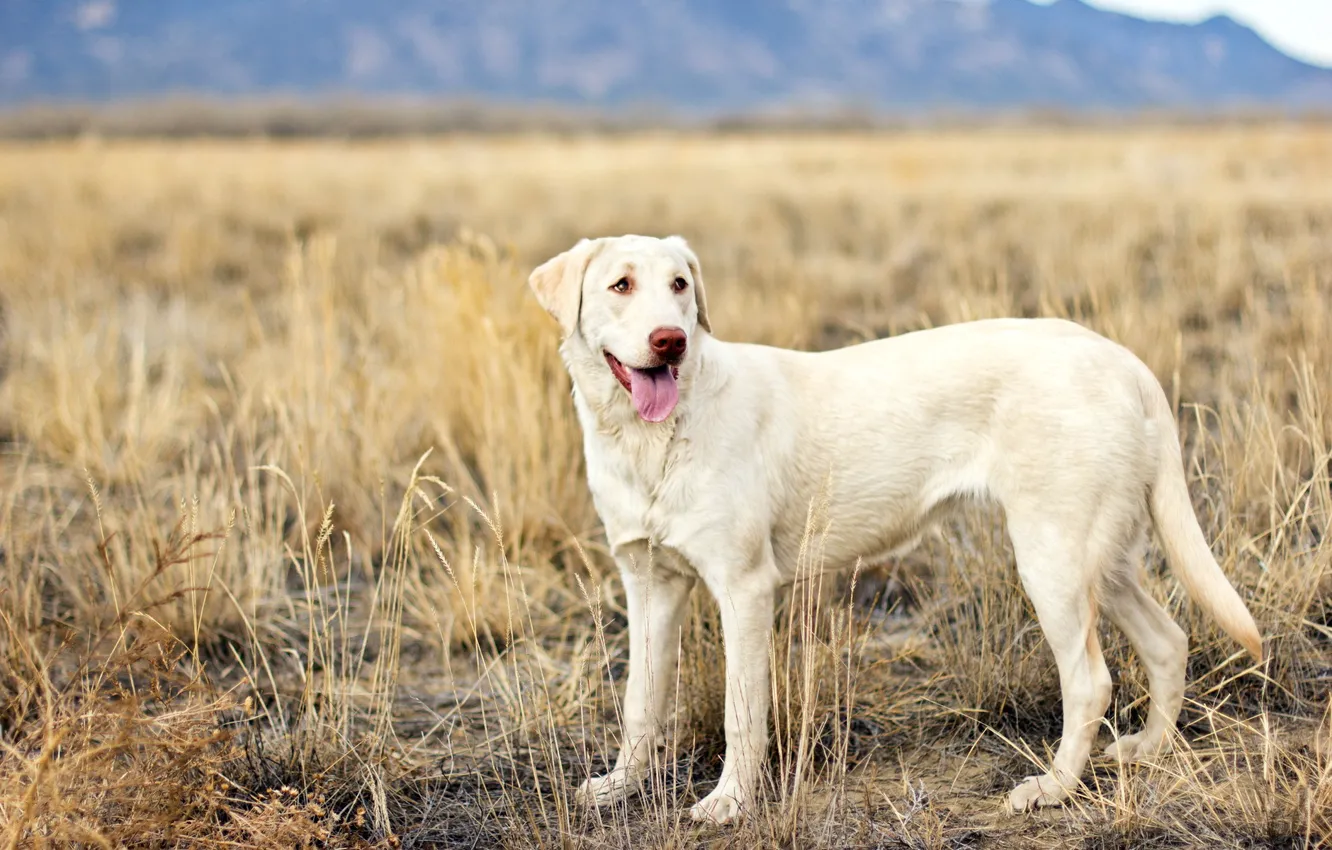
600 397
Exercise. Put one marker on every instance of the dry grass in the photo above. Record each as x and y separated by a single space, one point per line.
295 548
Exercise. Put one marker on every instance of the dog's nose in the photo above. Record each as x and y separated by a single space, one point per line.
668 343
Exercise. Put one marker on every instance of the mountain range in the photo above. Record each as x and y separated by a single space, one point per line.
686 54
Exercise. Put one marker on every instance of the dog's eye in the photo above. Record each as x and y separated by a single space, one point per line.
680 284
622 285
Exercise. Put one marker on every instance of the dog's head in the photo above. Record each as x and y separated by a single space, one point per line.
638 302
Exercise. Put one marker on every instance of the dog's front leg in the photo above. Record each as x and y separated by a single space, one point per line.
655 599
746 601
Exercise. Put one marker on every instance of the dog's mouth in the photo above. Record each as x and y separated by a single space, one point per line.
654 391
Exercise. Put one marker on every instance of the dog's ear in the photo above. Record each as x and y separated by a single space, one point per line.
558 283
700 295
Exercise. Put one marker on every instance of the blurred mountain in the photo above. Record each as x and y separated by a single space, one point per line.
687 54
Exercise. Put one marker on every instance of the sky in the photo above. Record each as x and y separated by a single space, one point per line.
1302 28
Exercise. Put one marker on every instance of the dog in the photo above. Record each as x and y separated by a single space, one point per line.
704 457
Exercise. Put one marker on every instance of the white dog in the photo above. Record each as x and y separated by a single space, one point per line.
703 458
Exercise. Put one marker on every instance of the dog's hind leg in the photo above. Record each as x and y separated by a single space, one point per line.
1058 570
1162 647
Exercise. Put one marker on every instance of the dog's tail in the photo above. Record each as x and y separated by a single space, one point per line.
1186 548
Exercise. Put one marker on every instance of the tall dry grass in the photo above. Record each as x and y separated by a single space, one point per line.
296 549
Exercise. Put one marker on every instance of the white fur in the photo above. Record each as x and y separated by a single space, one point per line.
1068 431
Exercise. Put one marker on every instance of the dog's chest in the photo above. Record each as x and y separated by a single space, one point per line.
632 474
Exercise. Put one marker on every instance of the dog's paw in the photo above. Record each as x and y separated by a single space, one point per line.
1136 747
1035 792
605 790
722 806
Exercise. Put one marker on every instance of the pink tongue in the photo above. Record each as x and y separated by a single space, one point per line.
654 392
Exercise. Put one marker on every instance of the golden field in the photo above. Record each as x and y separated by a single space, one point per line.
296 551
